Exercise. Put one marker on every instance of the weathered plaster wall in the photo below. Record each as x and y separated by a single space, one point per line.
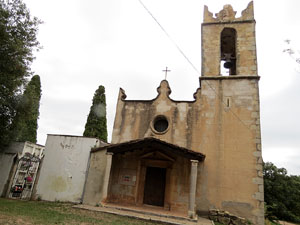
64 168
180 185
95 179
119 190
134 119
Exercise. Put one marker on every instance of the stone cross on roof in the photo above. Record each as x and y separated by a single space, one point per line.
166 72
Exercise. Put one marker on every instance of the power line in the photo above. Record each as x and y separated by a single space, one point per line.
189 61
166 33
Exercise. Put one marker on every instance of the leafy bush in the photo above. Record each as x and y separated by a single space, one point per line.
282 194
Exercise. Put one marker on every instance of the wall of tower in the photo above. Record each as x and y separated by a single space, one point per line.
245 41
246 48
231 139
229 135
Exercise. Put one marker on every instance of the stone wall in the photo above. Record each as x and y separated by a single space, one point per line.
245 41
226 218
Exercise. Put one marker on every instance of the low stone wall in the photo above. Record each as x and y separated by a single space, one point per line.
226 218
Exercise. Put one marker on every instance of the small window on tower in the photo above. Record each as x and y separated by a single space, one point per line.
228 51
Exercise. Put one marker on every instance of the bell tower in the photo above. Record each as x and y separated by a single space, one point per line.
230 121
229 42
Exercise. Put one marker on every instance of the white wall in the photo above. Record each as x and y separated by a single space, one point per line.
64 167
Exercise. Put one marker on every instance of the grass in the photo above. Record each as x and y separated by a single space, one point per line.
39 212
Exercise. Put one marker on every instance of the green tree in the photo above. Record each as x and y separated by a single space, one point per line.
18 41
25 123
96 121
282 194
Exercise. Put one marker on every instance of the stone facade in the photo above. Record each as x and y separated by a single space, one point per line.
222 124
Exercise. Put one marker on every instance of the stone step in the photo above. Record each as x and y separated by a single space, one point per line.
150 213
146 215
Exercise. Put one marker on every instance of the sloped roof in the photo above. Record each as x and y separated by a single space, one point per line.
153 143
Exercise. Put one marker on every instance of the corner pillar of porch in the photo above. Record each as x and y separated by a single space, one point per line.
193 186
106 175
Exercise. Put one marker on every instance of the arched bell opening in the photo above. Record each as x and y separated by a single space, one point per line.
228 51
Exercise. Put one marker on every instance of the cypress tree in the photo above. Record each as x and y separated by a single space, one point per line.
28 112
96 122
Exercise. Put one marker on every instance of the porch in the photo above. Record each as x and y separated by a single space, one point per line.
150 174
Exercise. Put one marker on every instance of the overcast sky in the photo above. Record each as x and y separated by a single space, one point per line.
116 43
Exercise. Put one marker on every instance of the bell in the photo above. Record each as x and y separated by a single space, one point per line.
228 64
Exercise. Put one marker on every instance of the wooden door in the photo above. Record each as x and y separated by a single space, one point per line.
154 192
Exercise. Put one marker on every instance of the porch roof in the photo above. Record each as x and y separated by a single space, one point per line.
153 143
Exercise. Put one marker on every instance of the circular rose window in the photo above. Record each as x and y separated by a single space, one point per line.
160 124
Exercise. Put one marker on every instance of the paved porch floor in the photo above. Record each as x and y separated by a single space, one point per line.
146 213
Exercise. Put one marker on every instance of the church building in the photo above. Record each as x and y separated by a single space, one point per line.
189 157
